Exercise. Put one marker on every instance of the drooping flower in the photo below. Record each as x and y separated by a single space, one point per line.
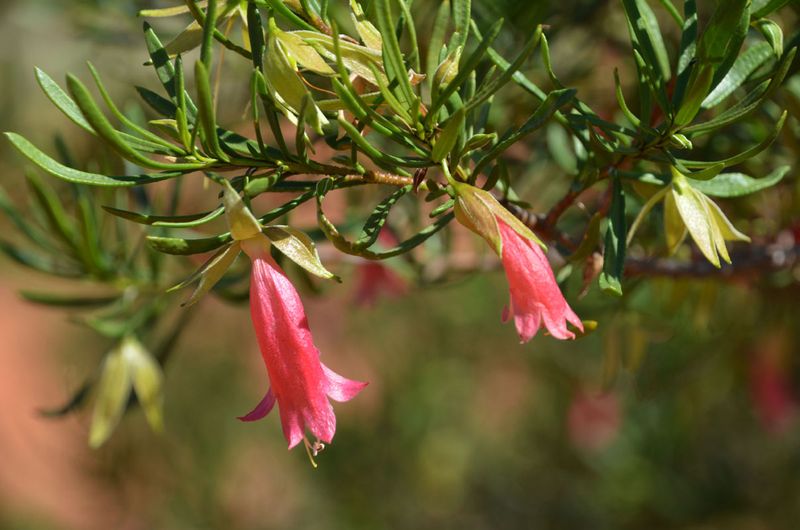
688 210
374 278
771 387
593 420
535 296
301 384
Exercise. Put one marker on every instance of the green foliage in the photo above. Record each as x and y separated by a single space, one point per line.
415 117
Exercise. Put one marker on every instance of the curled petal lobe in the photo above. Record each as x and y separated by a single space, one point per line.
535 296
262 409
340 388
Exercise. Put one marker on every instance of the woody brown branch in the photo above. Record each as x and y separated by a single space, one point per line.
753 261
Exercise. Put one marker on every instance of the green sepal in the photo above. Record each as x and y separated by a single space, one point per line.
478 210
298 247
209 273
241 221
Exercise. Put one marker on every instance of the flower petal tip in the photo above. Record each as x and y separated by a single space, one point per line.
340 388
262 409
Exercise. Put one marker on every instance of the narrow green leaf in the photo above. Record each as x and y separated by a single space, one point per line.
393 58
462 15
750 103
369 34
42 263
378 156
107 132
436 44
77 401
165 220
280 8
626 111
489 89
738 184
207 114
90 247
448 137
167 11
20 220
410 26
772 33
715 42
81 177
61 100
255 31
66 105
686 54
209 25
747 63
647 32
164 68
124 119
503 65
465 70
744 155
551 104
59 222
707 173
762 8
376 220
616 236
348 247
185 247
77 301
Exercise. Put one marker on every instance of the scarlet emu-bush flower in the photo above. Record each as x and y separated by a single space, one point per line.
300 384
535 296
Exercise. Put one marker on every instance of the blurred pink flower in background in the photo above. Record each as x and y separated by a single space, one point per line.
301 384
535 296
770 386
593 420
373 278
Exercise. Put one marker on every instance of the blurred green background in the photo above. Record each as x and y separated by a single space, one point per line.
679 412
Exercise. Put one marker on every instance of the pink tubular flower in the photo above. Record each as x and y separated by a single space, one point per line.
593 420
771 387
301 384
374 278
535 296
